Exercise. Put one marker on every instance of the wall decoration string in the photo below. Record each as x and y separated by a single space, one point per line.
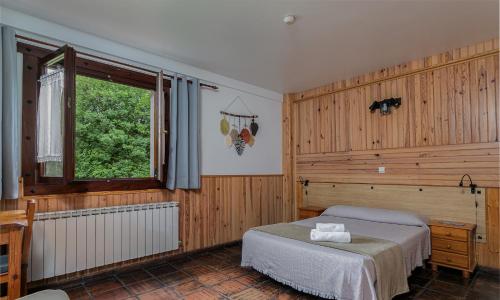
238 130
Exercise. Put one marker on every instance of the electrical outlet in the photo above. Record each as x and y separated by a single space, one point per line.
381 170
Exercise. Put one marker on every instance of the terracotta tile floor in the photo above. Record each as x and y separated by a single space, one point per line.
216 274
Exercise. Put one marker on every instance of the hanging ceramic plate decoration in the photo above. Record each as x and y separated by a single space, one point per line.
233 134
245 135
224 126
254 127
251 140
229 141
239 145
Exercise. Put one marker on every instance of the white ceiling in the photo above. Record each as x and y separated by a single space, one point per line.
247 40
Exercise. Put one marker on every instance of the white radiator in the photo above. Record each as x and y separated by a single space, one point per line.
69 241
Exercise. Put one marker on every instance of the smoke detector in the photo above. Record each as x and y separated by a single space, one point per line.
289 19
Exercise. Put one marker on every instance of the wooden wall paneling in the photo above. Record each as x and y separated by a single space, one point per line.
419 119
466 101
492 97
458 105
342 122
474 102
376 94
437 107
404 122
429 138
296 142
411 110
308 128
489 254
316 130
437 61
441 106
370 119
288 158
388 120
497 94
301 113
492 219
432 165
326 129
237 202
396 119
253 209
220 212
483 102
383 122
443 203
357 133
487 258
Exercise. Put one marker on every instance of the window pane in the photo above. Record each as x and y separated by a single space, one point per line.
52 169
50 121
113 126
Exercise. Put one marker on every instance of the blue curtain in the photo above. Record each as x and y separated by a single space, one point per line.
10 116
183 157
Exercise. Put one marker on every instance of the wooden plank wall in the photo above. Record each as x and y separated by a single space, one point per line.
429 165
448 120
218 213
433 202
448 125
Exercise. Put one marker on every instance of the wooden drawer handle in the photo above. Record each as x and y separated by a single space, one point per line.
448 234
448 260
449 246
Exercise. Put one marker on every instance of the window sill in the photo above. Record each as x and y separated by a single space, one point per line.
85 186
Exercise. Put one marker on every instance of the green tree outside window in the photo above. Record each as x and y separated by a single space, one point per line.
112 130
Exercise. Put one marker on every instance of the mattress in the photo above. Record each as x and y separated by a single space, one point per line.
329 272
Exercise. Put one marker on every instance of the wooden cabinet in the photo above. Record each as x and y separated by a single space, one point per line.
453 246
309 212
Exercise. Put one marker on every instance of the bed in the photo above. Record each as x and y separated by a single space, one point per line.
333 273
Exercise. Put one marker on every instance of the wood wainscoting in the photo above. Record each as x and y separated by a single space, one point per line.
218 213
448 125
439 203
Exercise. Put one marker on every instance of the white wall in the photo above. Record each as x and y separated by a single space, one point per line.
263 158
265 155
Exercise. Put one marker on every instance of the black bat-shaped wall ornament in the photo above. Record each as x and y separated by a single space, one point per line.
384 105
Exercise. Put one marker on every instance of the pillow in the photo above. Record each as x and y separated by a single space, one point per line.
376 215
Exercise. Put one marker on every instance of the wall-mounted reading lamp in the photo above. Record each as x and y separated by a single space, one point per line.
473 188
472 185
384 105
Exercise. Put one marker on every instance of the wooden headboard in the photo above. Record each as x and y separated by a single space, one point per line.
444 203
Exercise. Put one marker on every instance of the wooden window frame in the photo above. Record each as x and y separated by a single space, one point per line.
37 185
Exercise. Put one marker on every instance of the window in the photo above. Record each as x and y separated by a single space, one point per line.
114 130
90 125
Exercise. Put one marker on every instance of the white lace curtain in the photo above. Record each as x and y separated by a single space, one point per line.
50 119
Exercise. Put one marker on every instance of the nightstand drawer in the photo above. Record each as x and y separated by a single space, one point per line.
449 245
451 259
449 233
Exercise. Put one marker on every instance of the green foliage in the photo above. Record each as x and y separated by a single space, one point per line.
112 130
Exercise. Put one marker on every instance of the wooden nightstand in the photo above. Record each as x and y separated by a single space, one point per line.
310 212
453 246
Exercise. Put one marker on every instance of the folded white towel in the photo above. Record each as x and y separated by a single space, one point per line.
336 237
330 227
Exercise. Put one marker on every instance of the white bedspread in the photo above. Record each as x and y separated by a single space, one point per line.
329 272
